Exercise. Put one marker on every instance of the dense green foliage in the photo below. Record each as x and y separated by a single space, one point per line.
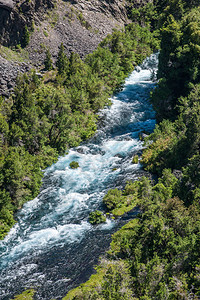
48 64
179 59
74 165
96 217
159 249
44 117
176 140
26 37
26 295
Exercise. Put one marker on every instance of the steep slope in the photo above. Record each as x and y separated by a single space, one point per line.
80 25
45 24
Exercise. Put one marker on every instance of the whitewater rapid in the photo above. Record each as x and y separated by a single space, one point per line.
52 247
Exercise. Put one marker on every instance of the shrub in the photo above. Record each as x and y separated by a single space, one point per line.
113 199
62 60
26 37
135 159
74 165
96 217
48 61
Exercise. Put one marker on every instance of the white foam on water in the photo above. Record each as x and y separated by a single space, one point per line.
113 147
135 77
30 206
68 204
69 233
108 225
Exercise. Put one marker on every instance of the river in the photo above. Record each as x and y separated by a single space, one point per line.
52 247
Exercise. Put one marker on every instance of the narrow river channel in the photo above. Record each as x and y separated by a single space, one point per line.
52 247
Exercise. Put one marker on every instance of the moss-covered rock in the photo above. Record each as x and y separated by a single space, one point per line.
114 169
113 198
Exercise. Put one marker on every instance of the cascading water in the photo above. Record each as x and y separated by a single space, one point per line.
52 248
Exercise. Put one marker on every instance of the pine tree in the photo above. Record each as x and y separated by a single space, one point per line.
75 63
48 61
62 60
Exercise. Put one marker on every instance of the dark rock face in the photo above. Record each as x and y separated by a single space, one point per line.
7 4
10 34
8 73
14 15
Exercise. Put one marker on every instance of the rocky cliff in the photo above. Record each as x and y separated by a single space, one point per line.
79 24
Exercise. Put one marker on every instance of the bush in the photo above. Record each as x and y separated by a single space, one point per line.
96 217
48 61
26 37
74 165
113 199
62 60
135 159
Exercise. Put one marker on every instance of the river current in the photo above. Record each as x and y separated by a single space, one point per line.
52 247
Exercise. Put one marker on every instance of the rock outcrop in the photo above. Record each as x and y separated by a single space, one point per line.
15 15
7 4
79 24
8 73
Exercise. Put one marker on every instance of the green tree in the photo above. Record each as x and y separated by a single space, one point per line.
26 37
48 64
62 61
